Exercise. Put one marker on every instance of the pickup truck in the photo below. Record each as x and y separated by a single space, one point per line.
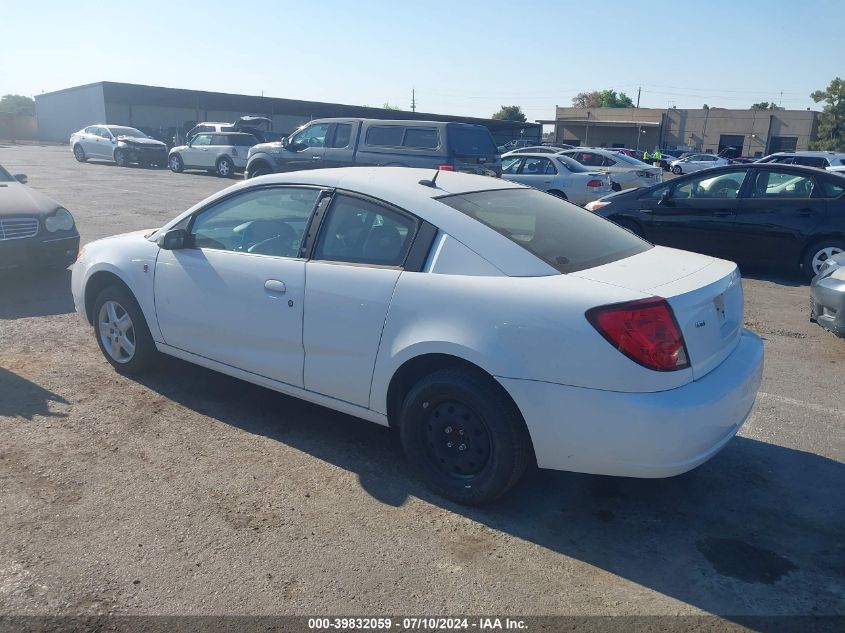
345 142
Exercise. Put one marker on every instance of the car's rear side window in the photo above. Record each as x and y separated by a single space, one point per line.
385 135
421 138
563 235
471 140
831 189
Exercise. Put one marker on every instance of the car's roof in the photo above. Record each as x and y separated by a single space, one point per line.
401 186
825 153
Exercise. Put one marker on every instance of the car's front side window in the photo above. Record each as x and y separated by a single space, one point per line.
510 165
312 136
362 232
201 140
266 221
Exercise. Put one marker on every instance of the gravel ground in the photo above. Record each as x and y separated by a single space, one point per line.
188 492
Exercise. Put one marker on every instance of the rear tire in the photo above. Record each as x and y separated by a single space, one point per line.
225 168
127 345
558 194
79 153
818 253
463 436
175 163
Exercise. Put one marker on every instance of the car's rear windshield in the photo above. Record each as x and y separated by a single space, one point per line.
572 165
563 235
471 140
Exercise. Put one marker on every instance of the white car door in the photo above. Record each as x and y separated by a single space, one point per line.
235 293
356 262
199 152
100 144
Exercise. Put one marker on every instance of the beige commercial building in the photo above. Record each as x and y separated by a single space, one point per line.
750 132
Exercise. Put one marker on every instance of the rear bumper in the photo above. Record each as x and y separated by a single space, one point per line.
647 435
827 305
49 252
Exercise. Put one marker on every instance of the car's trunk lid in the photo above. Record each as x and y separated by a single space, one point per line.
705 294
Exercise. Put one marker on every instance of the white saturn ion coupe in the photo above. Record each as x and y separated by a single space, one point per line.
492 324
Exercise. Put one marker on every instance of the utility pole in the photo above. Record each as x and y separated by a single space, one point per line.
413 100
639 90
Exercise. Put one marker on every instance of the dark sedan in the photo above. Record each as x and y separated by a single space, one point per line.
783 215
35 231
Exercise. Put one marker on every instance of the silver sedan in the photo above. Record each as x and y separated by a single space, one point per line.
558 175
827 295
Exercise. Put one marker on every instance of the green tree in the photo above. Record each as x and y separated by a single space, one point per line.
831 133
510 113
17 104
387 106
765 105
602 99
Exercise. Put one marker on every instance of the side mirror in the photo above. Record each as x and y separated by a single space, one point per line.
173 240
21 178
285 142
666 198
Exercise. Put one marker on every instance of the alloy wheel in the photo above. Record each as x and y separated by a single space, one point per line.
822 255
117 332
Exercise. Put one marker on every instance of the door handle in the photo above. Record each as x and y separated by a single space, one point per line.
315 157
805 213
722 214
274 285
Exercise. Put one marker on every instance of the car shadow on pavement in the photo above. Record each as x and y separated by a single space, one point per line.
780 277
34 293
21 398
758 530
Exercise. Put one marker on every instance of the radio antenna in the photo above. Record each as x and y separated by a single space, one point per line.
430 183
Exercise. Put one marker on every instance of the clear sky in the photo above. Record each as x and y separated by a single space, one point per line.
463 57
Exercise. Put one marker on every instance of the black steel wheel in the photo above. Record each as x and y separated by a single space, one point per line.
464 436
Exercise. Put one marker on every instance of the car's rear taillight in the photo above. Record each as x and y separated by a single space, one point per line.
234 151
446 167
596 183
645 331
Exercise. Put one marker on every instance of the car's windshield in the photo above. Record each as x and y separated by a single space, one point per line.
563 235
572 165
117 130
4 175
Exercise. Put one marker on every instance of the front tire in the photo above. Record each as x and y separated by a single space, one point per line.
121 331
175 163
677 170
79 153
259 169
225 167
463 436
818 253
121 158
